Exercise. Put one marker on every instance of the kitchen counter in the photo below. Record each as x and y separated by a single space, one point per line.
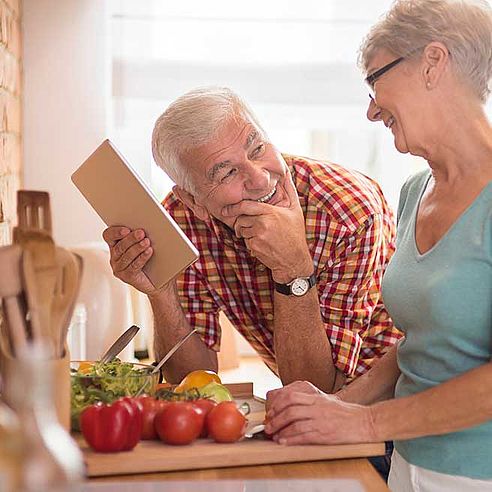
347 475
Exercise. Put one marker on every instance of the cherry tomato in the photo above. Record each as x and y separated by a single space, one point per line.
150 408
179 423
197 379
204 404
226 423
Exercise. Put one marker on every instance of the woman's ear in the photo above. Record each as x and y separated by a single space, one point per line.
435 57
189 200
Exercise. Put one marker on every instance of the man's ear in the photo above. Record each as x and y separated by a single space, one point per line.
189 200
436 57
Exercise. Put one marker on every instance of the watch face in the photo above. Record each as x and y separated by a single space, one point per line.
299 287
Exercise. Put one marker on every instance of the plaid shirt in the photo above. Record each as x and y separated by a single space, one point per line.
350 234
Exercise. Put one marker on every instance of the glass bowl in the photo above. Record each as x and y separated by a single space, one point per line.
106 383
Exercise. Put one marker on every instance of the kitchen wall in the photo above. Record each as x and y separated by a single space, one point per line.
67 87
10 113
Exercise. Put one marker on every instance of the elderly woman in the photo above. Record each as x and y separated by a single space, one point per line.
428 63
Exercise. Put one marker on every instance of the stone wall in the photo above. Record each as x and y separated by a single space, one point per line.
10 113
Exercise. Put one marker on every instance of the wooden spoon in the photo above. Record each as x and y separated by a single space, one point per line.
30 288
65 326
63 302
43 254
11 293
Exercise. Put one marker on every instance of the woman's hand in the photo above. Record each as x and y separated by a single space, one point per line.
295 387
308 418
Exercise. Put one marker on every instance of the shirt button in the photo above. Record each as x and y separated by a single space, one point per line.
261 267
269 316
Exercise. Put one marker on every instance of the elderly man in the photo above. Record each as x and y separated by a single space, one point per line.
292 250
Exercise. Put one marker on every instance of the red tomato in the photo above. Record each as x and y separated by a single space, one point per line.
179 423
204 404
150 408
226 423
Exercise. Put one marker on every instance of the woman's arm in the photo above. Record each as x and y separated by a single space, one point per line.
377 384
459 403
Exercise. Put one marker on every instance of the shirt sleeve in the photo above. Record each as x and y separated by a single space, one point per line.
349 291
199 306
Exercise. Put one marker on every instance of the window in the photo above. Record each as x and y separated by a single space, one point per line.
293 61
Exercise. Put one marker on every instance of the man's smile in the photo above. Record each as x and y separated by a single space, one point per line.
267 197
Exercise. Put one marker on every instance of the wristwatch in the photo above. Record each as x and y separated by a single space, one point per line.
297 287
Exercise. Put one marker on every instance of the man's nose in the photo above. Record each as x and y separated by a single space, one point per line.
258 178
373 110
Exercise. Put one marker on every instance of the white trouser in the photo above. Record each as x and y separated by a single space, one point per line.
404 477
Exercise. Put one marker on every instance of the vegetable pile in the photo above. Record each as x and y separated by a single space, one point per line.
200 406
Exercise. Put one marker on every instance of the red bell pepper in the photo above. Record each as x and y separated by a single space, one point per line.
136 425
112 428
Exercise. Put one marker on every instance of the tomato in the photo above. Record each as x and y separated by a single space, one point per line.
226 423
179 423
197 379
150 408
205 405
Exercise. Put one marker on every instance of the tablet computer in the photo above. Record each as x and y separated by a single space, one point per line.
120 197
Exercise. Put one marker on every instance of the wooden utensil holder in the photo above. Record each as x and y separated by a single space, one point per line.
60 375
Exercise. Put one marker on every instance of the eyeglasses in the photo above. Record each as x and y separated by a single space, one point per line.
371 79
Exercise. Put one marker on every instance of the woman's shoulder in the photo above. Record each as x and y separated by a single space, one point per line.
416 182
412 190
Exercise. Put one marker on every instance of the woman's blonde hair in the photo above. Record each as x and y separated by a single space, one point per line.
194 119
463 26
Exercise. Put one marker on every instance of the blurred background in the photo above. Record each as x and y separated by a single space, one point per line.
75 72
294 62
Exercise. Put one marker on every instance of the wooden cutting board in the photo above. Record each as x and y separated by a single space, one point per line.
155 456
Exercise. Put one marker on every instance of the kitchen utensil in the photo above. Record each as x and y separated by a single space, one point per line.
255 431
43 254
33 210
67 286
120 343
65 326
168 356
11 295
173 350
31 295
33 233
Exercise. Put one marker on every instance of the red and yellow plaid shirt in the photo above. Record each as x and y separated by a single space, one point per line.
350 233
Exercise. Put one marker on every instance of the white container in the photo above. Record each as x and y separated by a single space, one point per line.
107 303
76 337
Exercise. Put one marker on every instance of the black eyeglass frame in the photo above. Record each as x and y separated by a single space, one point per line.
371 79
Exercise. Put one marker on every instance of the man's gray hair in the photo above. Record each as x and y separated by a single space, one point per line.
192 120
463 26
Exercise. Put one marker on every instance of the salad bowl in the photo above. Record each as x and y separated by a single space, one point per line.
92 382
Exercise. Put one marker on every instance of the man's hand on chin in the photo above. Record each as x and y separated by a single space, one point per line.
274 234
